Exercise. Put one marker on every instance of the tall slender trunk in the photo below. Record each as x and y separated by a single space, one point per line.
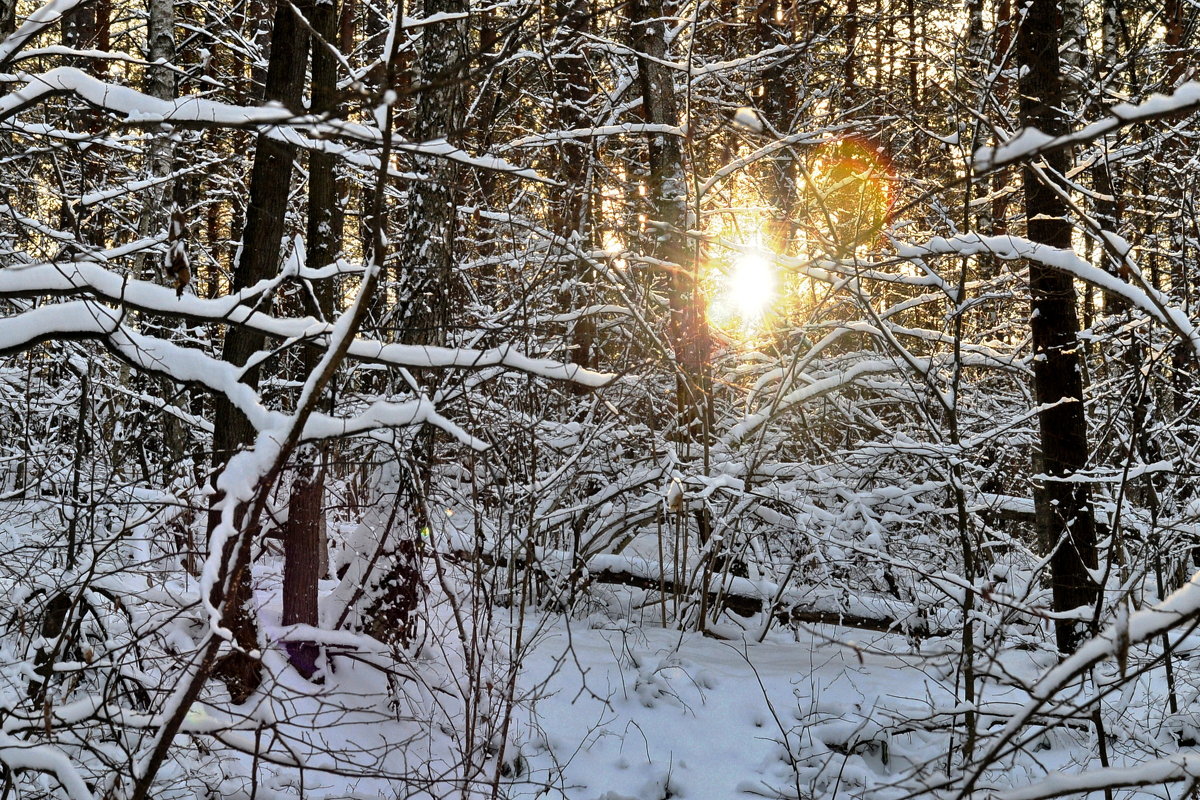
849 66
259 259
304 546
428 286
85 27
1063 507
669 196
1108 208
164 203
1002 91
777 103
8 18
427 291
1175 20
574 86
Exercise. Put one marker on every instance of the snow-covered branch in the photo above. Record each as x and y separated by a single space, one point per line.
1012 248
1029 142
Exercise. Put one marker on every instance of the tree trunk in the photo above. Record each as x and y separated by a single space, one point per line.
1108 209
8 18
1003 94
777 104
669 195
1064 509
86 27
260 252
849 70
427 291
304 552
428 286
303 541
1175 21
572 212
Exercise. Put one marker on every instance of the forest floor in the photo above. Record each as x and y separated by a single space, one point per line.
611 710
648 713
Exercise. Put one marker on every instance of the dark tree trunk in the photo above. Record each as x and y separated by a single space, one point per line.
86 27
428 287
261 238
346 26
304 537
849 66
777 104
1175 20
1107 209
303 541
1002 93
8 18
1064 509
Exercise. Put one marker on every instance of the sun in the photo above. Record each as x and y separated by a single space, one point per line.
746 291
752 285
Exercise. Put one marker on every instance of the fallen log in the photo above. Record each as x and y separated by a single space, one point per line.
730 593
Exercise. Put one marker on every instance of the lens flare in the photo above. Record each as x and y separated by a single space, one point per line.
851 194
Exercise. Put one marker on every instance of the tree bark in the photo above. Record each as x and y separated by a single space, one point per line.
574 86
8 18
427 290
303 541
428 286
777 103
1108 208
304 545
259 259
669 195
849 66
1064 508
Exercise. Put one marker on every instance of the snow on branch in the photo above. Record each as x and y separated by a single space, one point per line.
35 23
538 139
17 754
383 414
803 138
190 366
1179 767
76 320
192 111
1012 248
136 106
1128 631
817 388
87 319
75 277
1031 142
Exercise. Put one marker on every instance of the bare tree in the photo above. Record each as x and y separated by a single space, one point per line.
1066 523
259 259
668 194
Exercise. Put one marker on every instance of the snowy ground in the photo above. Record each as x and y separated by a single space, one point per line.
609 709
614 711
656 714
644 714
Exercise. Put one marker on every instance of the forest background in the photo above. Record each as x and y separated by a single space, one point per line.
351 350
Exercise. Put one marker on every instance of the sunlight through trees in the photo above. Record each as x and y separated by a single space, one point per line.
787 399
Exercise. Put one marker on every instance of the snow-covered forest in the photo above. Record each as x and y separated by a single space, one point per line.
704 399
